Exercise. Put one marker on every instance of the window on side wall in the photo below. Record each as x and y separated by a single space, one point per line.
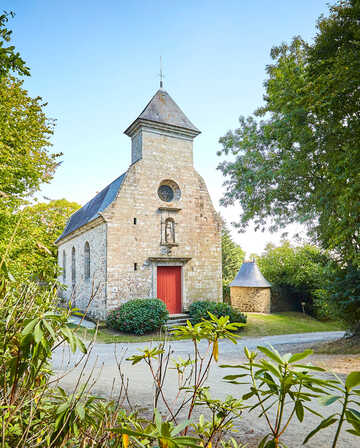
73 267
64 267
87 261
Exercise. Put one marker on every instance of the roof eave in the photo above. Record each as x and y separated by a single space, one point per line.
249 285
160 126
90 224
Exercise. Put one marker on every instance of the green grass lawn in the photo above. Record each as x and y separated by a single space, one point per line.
285 323
108 336
257 325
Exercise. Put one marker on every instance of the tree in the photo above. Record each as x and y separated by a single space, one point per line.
10 60
297 274
232 258
296 159
25 132
33 252
345 293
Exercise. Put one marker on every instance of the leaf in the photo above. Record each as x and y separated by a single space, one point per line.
125 440
49 329
352 380
248 395
270 367
272 354
38 334
216 350
80 410
312 411
327 400
234 377
324 424
299 410
29 327
180 427
263 441
299 356
309 367
270 444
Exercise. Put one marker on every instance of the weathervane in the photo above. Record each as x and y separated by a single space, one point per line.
161 74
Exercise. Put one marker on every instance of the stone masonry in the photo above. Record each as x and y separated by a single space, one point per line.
80 293
251 300
127 238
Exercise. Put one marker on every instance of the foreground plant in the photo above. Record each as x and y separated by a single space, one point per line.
280 383
165 433
192 375
349 398
221 421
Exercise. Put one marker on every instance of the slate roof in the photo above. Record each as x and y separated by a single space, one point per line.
249 275
91 210
163 109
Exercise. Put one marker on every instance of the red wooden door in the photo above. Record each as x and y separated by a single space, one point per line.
169 287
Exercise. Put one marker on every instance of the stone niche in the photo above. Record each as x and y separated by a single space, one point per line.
250 291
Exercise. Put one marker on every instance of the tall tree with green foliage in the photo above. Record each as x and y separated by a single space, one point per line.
10 59
33 252
25 131
232 258
296 159
298 274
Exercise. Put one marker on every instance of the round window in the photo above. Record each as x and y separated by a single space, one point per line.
166 193
169 191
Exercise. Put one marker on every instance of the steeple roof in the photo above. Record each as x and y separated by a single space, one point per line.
250 276
163 110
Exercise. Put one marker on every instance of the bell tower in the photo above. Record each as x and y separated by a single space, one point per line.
161 117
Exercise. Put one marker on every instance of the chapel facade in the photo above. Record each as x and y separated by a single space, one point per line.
152 232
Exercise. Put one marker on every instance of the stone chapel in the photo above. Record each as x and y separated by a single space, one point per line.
153 231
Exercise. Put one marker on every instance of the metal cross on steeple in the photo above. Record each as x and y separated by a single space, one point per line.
161 74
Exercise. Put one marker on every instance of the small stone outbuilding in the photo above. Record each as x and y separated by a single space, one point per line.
250 291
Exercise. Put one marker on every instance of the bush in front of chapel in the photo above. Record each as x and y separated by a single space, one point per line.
198 311
138 316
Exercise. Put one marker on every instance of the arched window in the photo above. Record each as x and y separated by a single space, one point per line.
87 261
73 266
64 266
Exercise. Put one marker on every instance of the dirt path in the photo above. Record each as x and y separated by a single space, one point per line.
251 428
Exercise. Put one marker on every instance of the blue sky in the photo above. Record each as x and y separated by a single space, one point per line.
97 64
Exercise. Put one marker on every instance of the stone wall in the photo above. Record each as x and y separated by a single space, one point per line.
126 242
198 228
79 294
251 300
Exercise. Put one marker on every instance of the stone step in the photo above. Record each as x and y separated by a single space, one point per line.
176 323
176 320
178 316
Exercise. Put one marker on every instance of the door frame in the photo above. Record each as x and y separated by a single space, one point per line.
161 261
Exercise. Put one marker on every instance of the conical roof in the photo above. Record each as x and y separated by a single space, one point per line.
162 109
249 275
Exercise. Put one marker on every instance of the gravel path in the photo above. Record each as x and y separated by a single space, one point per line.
103 365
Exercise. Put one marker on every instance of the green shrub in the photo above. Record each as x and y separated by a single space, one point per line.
199 311
138 316
324 307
